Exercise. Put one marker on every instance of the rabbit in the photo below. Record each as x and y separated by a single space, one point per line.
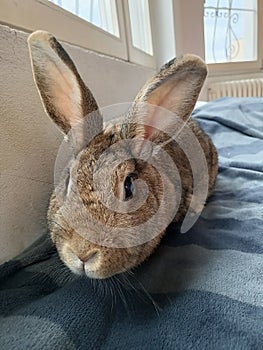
95 239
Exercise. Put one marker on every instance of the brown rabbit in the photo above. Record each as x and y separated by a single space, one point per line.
94 217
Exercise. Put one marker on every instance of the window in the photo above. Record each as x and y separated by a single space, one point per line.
118 28
230 28
140 25
233 35
104 15
101 13
227 33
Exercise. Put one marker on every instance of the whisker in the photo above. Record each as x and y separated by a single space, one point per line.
117 283
155 304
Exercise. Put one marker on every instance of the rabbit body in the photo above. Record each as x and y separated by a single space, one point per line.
93 218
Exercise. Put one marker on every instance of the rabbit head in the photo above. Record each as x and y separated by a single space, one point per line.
97 226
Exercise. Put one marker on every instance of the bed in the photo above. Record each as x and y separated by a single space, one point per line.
200 290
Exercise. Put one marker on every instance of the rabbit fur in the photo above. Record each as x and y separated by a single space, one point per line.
82 239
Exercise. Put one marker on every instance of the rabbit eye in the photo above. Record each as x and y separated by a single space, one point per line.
129 186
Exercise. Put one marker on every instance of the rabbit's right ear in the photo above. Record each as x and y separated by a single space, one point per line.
175 88
64 95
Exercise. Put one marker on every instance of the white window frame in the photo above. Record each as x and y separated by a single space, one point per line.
249 66
30 15
134 54
171 26
187 12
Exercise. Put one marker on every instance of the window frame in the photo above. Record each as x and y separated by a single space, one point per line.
243 67
24 15
136 55
187 12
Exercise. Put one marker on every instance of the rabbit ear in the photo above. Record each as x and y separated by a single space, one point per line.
176 88
64 95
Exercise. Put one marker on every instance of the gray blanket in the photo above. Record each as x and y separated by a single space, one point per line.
200 290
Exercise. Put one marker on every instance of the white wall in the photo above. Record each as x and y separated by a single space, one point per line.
188 27
162 30
29 140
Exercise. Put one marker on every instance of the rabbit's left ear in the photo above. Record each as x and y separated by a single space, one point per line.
176 88
64 95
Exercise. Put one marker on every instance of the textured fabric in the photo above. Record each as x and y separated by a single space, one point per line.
200 290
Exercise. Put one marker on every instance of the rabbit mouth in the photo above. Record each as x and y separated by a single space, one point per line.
97 274
84 269
100 274
91 267
80 270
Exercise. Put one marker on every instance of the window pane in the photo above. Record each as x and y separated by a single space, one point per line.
230 28
101 13
140 25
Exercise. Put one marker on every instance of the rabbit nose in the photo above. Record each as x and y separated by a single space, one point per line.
91 256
